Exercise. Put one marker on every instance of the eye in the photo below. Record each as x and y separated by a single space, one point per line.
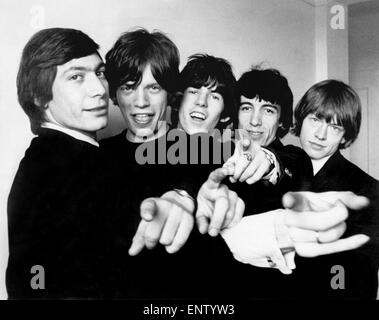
192 90
76 77
126 88
155 88
216 96
270 111
314 119
100 73
337 129
245 107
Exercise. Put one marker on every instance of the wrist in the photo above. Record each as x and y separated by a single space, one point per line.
181 198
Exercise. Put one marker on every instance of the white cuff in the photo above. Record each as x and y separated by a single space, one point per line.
254 241
274 174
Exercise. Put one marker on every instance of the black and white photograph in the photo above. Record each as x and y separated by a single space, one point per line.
189 151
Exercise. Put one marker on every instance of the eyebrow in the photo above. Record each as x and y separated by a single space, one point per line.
264 105
153 84
82 68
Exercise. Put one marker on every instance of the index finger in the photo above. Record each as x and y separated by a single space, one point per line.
220 209
348 198
138 241
313 249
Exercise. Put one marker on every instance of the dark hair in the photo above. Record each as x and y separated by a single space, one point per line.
269 85
133 51
331 99
46 50
204 70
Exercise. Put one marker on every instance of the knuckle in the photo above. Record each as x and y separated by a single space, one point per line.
166 241
151 239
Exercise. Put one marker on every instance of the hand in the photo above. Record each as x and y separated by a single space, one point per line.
217 206
249 162
168 220
316 221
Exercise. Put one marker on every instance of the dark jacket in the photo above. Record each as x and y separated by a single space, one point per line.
57 219
314 276
203 261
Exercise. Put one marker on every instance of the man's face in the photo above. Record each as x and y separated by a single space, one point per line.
320 139
260 119
200 109
80 95
143 107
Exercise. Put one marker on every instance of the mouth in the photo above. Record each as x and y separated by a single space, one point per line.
316 146
142 118
100 109
198 116
255 134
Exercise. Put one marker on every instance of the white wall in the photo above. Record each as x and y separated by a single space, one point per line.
364 77
278 32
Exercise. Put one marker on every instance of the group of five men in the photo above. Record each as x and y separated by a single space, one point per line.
85 210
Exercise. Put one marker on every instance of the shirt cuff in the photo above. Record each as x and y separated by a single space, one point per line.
254 241
274 174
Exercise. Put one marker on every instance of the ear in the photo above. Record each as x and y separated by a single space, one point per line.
226 119
38 103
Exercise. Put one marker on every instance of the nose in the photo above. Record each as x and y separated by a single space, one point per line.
322 131
256 119
201 100
141 99
97 87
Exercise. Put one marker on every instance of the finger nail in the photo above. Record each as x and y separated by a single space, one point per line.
146 215
202 229
213 232
363 238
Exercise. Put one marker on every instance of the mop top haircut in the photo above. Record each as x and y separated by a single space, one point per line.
133 51
331 100
46 50
269 85
204 70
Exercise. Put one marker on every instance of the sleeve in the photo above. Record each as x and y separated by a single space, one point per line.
295 167
254 241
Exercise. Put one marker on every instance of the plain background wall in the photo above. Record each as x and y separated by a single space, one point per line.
364 77
277 32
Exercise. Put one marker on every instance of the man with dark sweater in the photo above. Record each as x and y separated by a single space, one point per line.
327 120
57 220
265 112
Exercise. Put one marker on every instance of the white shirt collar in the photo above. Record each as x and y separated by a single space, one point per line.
318 164
73 133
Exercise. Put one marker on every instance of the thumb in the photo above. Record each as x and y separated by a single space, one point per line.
148 209
245 143
215 177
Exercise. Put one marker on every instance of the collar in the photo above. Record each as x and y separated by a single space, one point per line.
73 133
333 161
